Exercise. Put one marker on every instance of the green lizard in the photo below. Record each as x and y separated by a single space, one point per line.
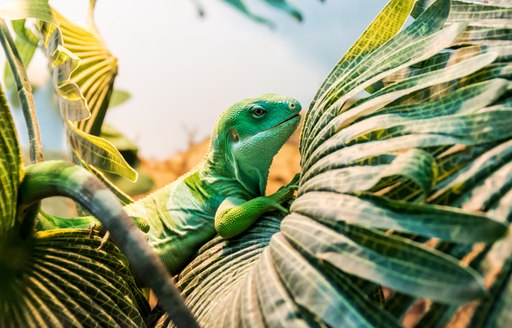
224 193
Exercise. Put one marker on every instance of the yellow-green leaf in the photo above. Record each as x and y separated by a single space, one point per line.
99 153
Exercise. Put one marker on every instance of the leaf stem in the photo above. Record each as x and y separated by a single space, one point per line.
24 92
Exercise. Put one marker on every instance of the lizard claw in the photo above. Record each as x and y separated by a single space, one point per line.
91 229
104 241
277 206
284 194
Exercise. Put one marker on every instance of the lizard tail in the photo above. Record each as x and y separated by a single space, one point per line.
59 178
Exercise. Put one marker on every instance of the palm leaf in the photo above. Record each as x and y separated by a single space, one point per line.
494 310
475 178
58 178
61 279
83 72
379 32
415 43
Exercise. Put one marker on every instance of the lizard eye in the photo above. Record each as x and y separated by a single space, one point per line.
291 105
258 111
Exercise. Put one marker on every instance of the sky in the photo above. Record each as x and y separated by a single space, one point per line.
183 70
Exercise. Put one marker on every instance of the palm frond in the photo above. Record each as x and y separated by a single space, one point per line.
61 279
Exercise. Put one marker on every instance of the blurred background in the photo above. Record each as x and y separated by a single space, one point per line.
183 70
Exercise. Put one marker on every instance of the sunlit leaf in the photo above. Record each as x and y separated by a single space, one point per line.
416 165
129 151
472 129
384 26
467 88
99 152
319 295
416 42
95 73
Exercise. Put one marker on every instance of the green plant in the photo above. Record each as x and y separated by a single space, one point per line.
407 139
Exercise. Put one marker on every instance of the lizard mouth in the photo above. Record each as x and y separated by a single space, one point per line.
291 118
287 120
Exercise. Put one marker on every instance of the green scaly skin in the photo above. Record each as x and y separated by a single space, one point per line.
224 194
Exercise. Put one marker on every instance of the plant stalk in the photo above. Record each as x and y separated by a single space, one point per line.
24 92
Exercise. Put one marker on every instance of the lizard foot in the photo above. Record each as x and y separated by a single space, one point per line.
286 192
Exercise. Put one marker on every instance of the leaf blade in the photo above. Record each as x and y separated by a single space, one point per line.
390 261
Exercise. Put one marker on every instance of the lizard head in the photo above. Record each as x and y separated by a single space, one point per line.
250 133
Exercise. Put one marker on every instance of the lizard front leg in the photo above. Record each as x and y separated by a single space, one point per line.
236 215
